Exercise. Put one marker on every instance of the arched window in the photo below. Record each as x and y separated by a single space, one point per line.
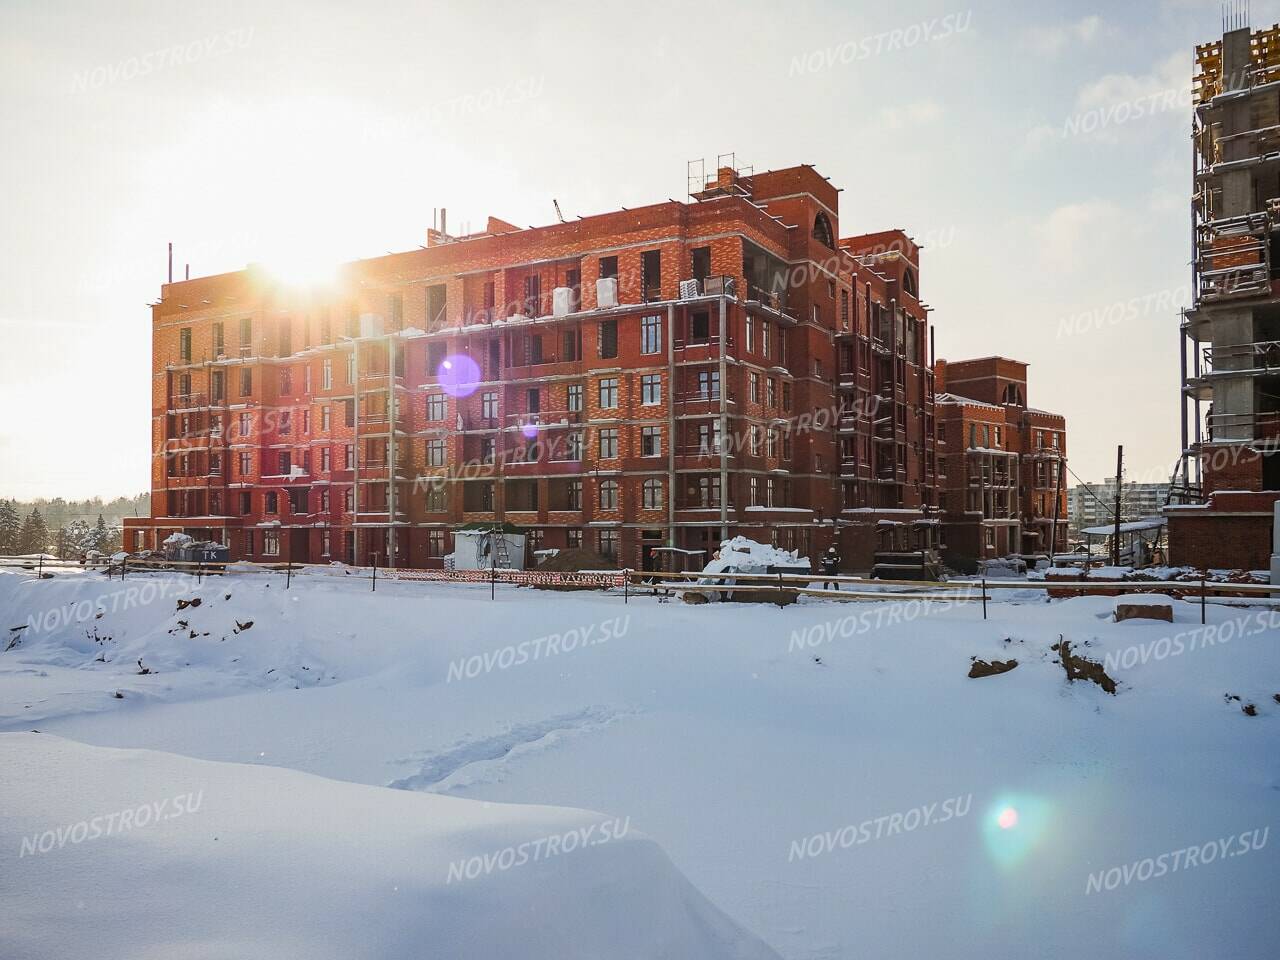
822 231
1013 394
909 282
652 494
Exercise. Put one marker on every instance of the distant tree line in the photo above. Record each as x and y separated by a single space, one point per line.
67 528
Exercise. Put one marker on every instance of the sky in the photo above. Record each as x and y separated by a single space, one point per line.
1041 155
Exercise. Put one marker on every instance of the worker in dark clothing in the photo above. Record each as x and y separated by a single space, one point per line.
831 566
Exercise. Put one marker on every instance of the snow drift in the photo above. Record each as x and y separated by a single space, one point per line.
134 854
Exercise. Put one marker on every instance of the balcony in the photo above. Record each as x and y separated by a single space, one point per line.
1260 356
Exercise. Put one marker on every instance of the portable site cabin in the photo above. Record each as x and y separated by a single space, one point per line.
484 546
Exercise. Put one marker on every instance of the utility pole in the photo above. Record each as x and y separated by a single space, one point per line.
1115 539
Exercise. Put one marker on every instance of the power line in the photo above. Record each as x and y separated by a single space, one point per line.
1090 490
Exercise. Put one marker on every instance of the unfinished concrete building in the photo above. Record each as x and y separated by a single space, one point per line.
1229 475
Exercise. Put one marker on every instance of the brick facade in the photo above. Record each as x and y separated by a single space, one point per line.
739 382
1001 463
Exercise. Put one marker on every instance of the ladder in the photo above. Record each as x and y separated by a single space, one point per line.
498 543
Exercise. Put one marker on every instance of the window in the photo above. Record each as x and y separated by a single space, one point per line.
326 327
395 307
822 231
771 391
609 495
533 347
245 424
489 406
573 538
754 435
488 450
246 381
709 384
326 418
753 491
246 336
349 456
533 400
650 389
533 295
245 466
298 501
284 463
326 542
219 340
700 327
435 406
753 386
607 338
609 544
608 267
184 342
709 437
271 502
436 500
844 309
571 348
575 398
651 274
324 499
709 491
575 445
650 441
351 367
608 443
349 499
608 392
786 395
326 459
436 302
435 543
246 505
271 543
286 422
285 339
326 375
216 385
701 263
766 329
435 453
751 333
973 434
651 494
651 334
574 493
286 380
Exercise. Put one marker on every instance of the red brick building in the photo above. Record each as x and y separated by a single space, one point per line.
1002 461
669 375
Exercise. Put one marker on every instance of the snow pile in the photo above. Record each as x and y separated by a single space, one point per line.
742 553
177 539
133 853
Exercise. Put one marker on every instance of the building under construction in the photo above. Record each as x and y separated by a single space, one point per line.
661 377
1229 476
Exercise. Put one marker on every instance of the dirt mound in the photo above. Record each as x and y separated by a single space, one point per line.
981 668
575 559
1081 668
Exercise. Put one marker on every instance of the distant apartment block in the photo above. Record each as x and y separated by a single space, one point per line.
1093 504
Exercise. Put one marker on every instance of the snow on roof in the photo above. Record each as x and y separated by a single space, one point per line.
956 398
1150 523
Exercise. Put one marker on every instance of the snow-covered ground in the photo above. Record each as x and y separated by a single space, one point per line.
826 774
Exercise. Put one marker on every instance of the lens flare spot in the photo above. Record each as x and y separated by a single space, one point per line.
459 375
1008 818
530 430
